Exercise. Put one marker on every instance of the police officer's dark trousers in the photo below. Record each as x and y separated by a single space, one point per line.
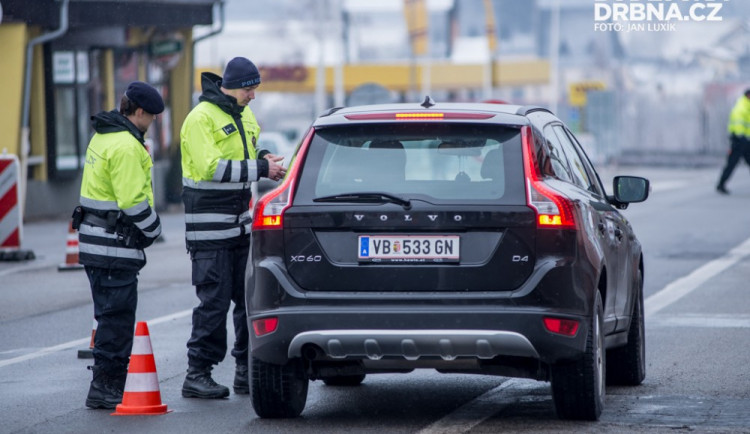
115 298
740 149
219 278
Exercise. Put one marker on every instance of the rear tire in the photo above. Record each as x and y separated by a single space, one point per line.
278 391
578 387
627 365
344 380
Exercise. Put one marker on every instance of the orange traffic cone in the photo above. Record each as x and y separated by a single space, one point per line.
88 353
141 394
71 251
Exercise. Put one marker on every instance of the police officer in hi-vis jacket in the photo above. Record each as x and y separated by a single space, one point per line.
116 221
739 138
219 162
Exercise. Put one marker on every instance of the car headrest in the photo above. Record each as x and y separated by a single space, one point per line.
392 160
386 144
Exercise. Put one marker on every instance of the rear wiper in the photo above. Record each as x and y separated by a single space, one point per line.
369 197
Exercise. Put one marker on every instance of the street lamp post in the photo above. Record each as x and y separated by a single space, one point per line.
555 54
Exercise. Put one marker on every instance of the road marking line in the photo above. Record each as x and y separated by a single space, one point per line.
44 351
77 342
29 267
170 317
687 284
702 321
482 407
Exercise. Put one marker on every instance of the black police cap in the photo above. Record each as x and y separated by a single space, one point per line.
145 96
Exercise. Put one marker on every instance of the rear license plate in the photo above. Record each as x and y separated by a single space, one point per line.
409 248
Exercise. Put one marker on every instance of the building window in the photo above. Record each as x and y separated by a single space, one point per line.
131 64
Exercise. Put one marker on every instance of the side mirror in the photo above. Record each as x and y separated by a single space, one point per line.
629 189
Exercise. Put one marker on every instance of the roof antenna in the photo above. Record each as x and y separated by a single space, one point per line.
428 102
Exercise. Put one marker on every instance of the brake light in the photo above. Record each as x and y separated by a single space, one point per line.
269 211
416 116
553 210
420 115
565 327
265 326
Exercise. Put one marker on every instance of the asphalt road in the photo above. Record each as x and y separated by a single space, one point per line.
698 341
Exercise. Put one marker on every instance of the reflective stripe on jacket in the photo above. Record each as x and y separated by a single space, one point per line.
739 118
116 179
217 171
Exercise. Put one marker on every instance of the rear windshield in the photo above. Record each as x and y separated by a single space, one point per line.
437 163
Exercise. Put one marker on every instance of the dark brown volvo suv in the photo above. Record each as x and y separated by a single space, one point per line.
466 238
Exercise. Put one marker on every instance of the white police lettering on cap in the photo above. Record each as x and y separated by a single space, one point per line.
249 83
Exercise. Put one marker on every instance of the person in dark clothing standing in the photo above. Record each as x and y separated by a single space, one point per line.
739 138
219 162
116 221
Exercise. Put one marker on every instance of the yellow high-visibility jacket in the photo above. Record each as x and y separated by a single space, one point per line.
116 190
739 118
219 162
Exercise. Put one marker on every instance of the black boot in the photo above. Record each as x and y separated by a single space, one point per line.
104 391
199 384
120 378
241 383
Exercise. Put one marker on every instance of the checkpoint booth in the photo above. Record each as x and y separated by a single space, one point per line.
64 60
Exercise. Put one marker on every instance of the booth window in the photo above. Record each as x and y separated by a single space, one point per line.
73 97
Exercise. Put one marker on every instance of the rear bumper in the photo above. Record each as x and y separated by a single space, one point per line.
412 333
416 327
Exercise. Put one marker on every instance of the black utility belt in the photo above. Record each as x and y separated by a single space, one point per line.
109 220
109 223
95 220
128 234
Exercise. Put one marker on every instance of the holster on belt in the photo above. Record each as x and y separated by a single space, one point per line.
130 235
108 221
77 217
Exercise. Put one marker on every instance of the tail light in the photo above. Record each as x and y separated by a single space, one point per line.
553 210
269 211
565 327
265 326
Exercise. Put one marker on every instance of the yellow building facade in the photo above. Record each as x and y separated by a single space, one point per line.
400 77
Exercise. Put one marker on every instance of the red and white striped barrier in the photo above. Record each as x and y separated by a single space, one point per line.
11 228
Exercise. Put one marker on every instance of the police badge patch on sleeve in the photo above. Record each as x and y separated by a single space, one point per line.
229 129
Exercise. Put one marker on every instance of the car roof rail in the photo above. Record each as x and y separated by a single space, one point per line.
330 111
528 109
